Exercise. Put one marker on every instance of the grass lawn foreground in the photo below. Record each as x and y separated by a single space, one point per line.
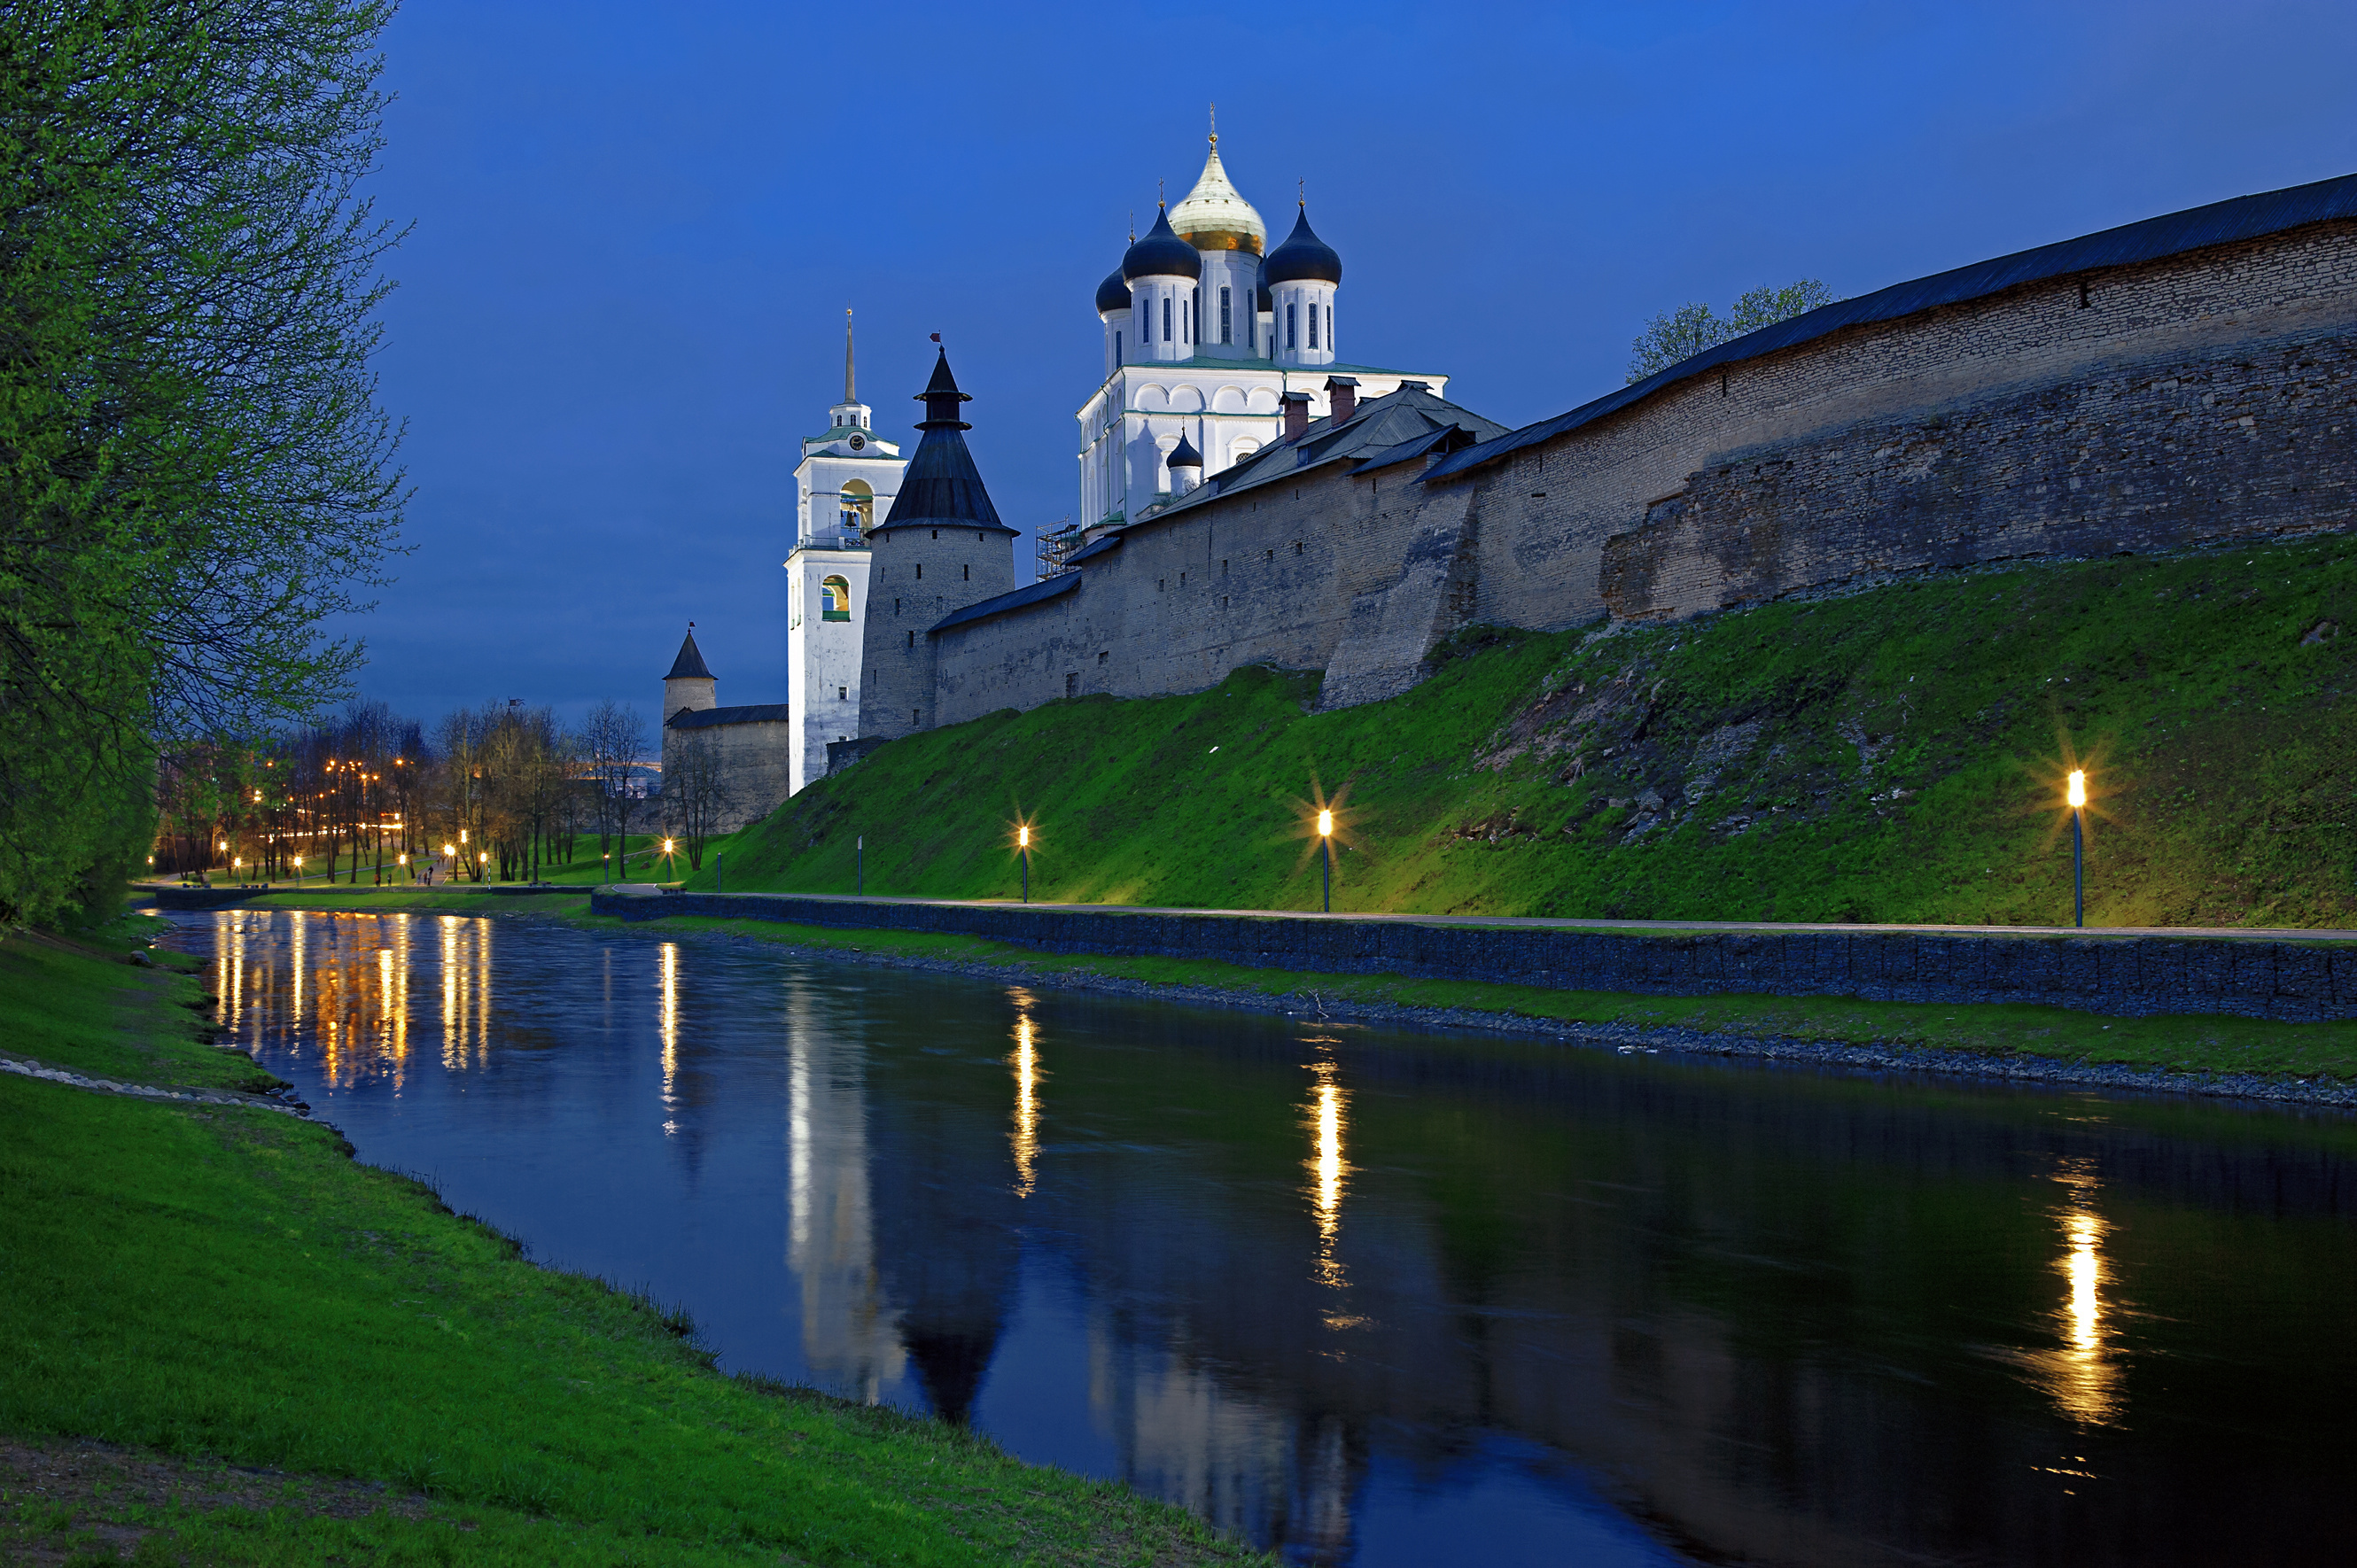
218 1287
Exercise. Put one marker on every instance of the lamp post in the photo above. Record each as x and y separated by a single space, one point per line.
1326 857
2078 849
859 866
1023 844
668 866
298 870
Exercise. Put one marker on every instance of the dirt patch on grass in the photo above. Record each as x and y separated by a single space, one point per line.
74 1499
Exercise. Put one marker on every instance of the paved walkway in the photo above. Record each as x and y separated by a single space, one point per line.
2251 933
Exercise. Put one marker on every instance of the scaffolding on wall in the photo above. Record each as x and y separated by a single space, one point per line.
1057 543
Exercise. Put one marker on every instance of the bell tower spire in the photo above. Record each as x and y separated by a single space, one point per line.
851 414
850 386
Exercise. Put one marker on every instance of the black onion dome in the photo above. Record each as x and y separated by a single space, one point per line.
1113 294
1184 455
1161 254
1304 257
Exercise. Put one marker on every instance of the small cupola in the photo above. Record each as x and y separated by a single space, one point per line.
1185 466
1162 254
1303 258
1113 295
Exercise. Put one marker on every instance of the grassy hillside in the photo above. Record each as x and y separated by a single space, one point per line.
1892 755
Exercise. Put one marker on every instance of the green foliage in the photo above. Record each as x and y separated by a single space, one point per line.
230 1285
1683 333
1891 755
193 472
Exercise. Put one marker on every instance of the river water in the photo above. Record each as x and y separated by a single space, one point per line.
1378 1297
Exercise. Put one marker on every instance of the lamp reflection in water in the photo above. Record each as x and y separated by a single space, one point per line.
1328 1116
2083 1378
667 1020
466 990
1025 1138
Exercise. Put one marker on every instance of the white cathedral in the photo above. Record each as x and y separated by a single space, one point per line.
1206 337
1209 337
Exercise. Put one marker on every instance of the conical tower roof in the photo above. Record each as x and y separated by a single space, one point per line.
689 665
942 485
1215 217
1161 254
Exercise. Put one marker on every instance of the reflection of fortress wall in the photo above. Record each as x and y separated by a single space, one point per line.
848 1337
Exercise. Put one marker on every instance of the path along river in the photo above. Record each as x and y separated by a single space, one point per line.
1379 1298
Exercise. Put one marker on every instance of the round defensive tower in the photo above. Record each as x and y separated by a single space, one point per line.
939 549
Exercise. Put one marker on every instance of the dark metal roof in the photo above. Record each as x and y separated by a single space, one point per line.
1447 436
710 718
940 486
2219 223
1089 552
1184 455
1378 425
1161 254
1113 294
1302 256
1045 588
689 665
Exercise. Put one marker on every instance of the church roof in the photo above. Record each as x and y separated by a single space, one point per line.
689 665
2174 233
1113 294
1215 216
1184 455
712 718
1303 257
1377 428
941 484
1161 254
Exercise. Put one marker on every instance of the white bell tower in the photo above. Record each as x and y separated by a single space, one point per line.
843 486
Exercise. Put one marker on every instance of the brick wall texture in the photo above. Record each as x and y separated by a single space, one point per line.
2118 976
2199 398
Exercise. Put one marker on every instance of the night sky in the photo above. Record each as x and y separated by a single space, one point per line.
637 228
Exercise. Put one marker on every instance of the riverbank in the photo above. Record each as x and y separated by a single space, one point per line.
2204 1054
194 1286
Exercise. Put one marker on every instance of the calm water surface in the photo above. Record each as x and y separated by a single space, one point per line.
1379 1298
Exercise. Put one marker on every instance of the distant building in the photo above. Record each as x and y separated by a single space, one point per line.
749 744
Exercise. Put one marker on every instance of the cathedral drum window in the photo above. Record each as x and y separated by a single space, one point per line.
837 593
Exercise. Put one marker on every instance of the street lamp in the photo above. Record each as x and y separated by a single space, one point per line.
403 861
2078 849
298 870
1325 854
1023 843
668 866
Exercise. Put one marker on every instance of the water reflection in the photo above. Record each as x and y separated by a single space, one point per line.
1025 1138
1327 1106
667 1027
2083 1378
1590 1309
849 1336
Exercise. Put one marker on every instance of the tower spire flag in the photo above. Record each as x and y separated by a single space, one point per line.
850 385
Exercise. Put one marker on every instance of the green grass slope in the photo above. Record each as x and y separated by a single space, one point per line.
1891 755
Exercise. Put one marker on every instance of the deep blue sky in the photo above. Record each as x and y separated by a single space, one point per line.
637 228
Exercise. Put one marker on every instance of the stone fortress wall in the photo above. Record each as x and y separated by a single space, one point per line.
2154 404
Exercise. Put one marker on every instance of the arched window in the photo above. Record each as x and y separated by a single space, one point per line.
1166 319
837 593
1227 318
1313 324
1116 348
858 507
1291 326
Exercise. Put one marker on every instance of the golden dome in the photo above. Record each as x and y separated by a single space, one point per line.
1214 218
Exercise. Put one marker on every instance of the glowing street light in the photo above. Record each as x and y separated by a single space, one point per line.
298 870
1023 844
2078 796
1326 855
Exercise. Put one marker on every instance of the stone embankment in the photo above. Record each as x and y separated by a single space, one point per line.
2286 977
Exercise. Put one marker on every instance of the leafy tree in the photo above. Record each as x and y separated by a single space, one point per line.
1683 333
194 473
